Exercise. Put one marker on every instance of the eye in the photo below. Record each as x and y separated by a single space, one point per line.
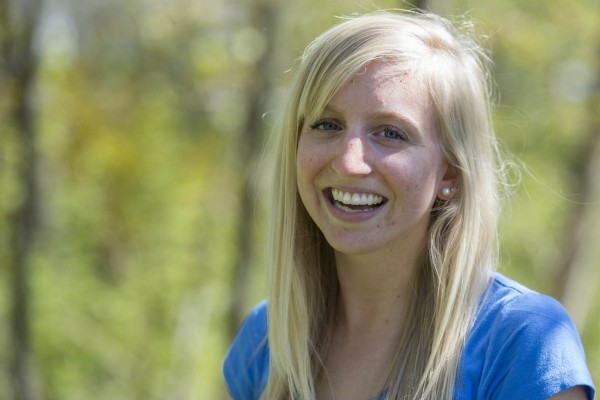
325 125
393 133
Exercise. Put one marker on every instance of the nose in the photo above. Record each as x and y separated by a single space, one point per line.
352 157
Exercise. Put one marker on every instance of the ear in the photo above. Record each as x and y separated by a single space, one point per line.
450 183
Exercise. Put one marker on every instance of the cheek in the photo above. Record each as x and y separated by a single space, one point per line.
304 153
308 160
301 154
415 178
304 160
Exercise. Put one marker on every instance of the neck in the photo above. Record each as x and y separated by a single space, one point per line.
375 290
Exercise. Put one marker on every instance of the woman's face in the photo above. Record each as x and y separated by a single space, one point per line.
370 167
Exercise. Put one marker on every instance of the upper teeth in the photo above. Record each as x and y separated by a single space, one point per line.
356 199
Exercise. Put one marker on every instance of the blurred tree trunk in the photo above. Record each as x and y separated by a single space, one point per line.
264 16
18 21
436 6
576 273
420 4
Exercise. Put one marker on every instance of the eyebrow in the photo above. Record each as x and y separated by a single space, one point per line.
379 115
400 117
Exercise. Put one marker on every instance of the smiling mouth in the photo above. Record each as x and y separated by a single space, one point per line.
355 202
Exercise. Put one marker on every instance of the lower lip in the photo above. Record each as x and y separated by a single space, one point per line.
352 216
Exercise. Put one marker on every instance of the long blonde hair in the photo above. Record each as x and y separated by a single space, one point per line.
461 246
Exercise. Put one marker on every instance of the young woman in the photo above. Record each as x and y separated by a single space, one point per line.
383 236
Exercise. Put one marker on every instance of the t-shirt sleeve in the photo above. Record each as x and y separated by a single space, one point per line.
534 352
245 367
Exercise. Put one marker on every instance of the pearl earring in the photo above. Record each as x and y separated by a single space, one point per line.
446 191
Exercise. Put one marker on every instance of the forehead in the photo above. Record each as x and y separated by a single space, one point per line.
384 87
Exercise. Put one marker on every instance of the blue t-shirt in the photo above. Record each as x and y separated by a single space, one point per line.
523 345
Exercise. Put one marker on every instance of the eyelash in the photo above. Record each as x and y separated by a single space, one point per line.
318 125
400 135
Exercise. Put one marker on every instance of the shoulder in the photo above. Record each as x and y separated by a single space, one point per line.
508 302
246 364
523 344
254 327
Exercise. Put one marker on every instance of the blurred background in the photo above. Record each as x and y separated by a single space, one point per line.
132 235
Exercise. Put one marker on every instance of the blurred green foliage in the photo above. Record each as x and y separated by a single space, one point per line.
141 108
